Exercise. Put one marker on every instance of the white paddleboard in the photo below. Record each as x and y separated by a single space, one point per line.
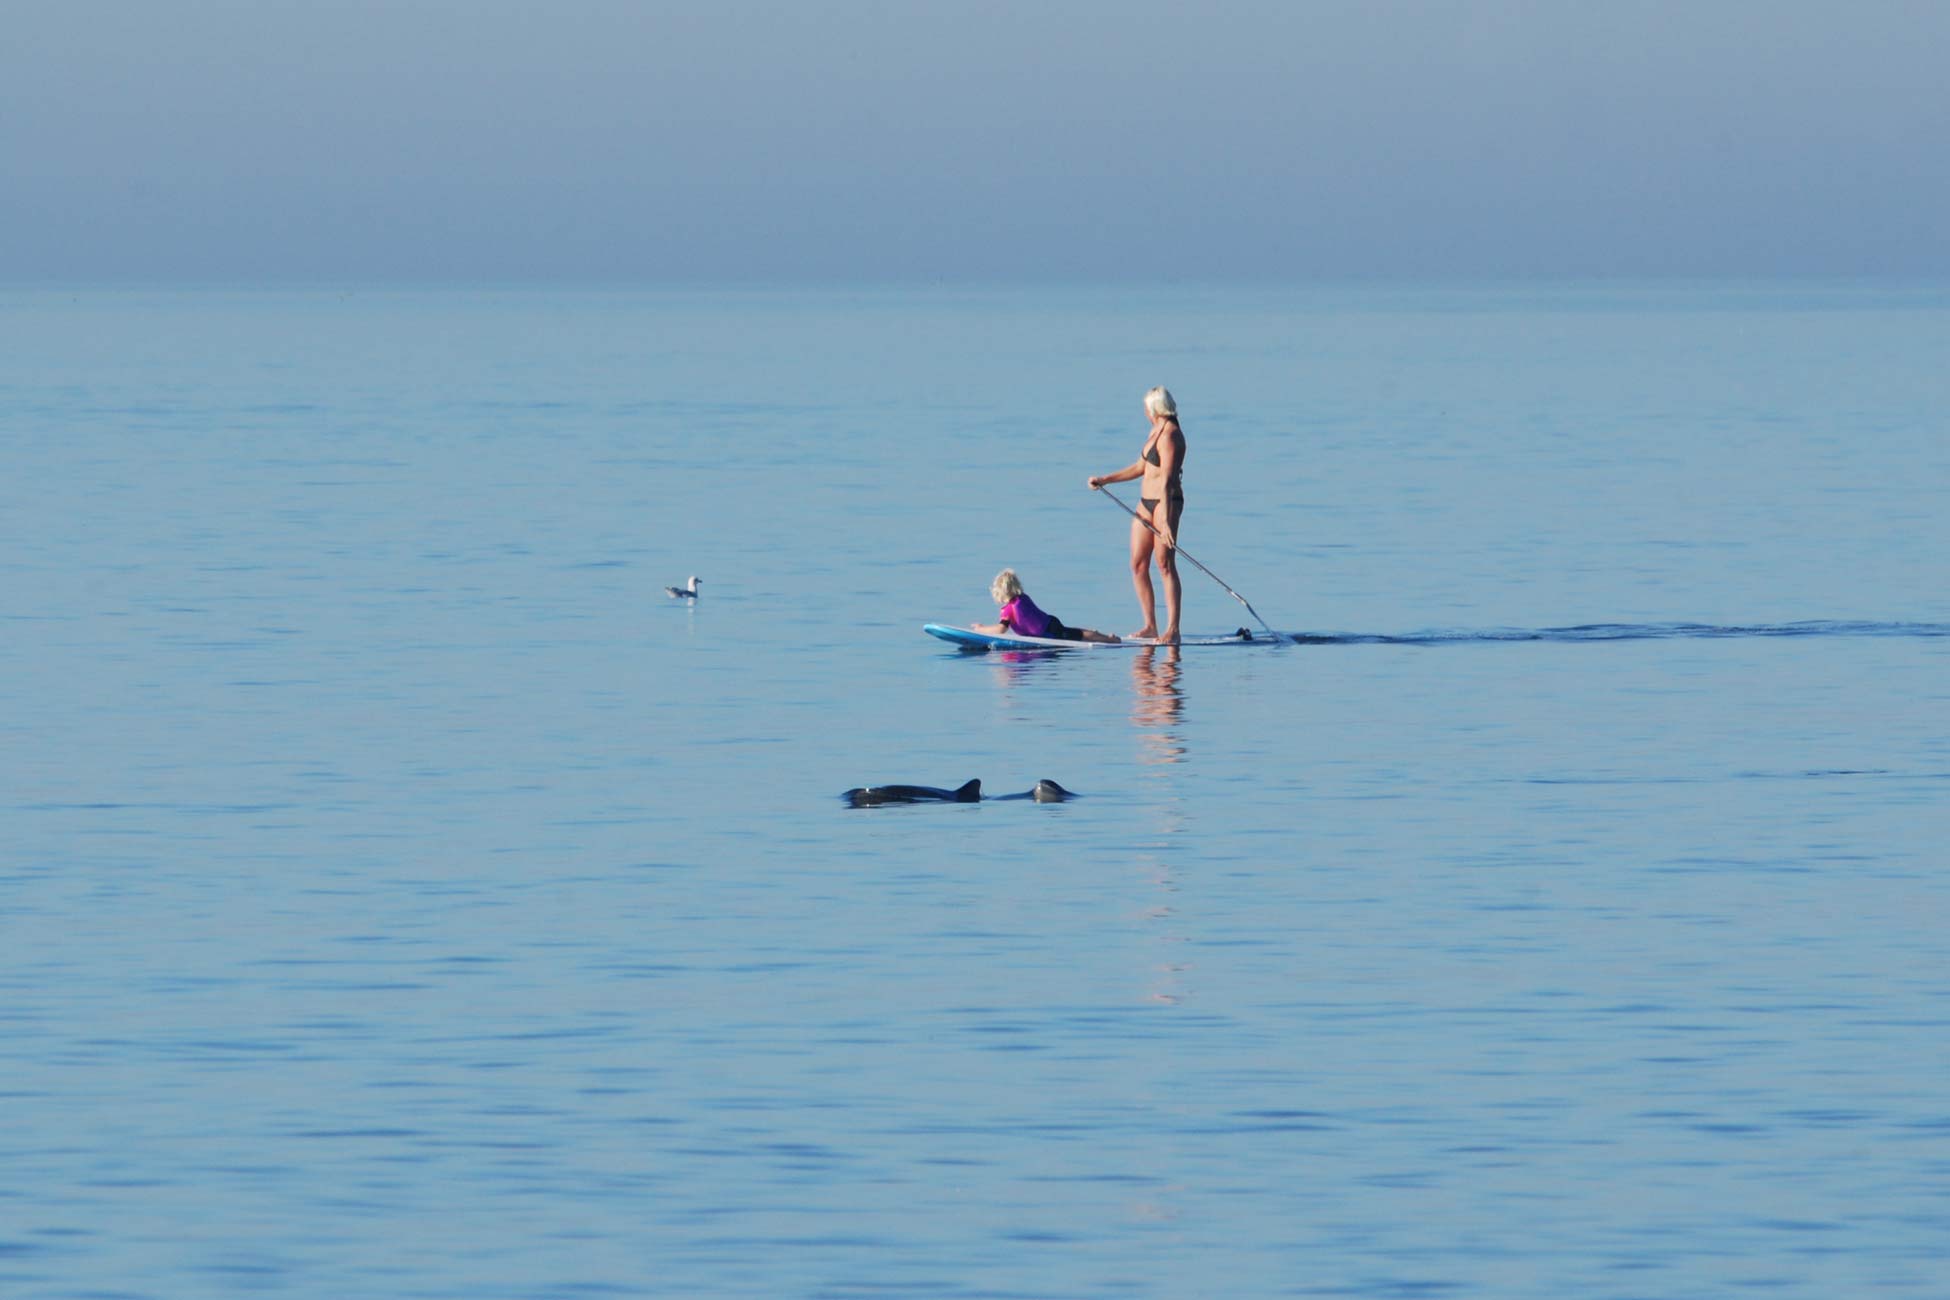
969 639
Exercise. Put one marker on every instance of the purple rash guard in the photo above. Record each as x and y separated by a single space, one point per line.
1022 615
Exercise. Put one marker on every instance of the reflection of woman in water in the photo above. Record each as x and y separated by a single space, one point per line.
1157 715
1161 500
1157 705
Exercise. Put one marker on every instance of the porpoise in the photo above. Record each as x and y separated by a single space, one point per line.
876 796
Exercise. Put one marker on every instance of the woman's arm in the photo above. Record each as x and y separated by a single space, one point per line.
1133 470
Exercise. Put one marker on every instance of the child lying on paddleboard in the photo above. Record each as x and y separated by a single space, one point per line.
1021 616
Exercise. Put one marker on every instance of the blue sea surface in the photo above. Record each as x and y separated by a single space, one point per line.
402 897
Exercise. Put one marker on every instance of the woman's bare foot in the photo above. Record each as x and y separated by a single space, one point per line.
1143 634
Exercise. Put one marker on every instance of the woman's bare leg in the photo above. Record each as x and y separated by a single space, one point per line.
1141 541
1167 557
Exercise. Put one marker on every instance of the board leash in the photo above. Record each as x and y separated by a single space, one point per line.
1277 636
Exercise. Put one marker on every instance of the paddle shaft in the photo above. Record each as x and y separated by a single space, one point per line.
1188 555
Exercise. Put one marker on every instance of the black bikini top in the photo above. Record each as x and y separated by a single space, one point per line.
1151 454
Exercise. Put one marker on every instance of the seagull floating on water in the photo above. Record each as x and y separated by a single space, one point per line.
688 592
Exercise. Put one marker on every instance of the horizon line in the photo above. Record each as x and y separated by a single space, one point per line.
774 284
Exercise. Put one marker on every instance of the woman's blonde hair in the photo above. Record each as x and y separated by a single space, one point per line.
1158 402
1006 587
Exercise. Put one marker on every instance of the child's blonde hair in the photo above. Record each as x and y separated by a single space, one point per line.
1006 587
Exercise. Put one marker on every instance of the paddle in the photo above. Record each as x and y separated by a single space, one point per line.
1277 636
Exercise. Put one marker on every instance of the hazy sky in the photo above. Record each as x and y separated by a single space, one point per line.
639 140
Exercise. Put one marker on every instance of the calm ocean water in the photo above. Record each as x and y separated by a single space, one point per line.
402 898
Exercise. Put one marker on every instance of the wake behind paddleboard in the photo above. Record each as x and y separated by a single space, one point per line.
969 639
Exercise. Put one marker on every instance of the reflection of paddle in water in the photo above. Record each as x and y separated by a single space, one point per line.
1157 704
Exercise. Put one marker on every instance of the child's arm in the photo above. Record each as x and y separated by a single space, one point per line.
1000 626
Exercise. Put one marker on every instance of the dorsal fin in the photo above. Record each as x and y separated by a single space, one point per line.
970 793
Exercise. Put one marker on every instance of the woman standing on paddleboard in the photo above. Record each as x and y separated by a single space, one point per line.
1154 533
